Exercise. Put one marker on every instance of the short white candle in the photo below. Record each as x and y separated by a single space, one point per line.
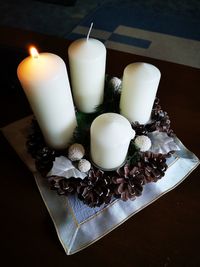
111 134
45 82
87 61
139 87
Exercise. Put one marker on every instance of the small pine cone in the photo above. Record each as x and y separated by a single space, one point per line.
43 155
154 166
123 188
151 127
158 114
94 190
129 184
140 129
44 159
165 126
35 140
62 185
160 120
156 103
33 144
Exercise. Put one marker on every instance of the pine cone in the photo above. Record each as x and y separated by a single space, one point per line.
35 140
156 103
95 189
129 183
44 159
140 129
160 118
153 166
159 121
62 185
36 146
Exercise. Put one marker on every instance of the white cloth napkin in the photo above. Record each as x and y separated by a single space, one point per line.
77 225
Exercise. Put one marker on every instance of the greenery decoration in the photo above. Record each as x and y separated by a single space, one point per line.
100 187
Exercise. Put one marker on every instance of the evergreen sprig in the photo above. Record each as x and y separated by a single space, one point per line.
82 132
111 98
133 154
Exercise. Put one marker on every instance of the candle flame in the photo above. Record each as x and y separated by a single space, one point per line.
33 51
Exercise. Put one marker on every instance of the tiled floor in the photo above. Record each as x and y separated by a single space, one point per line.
153 29
43 17
60 20
167 30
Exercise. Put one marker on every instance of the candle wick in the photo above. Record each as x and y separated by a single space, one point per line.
33 52
88 35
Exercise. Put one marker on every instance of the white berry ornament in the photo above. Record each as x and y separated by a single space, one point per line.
143 142
116 84
76 152
84 165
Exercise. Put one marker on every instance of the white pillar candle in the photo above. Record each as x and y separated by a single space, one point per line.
139 86
45 82
87 61
111 134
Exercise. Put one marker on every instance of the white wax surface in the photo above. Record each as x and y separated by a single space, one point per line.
46 85
139 88
110 138
87 61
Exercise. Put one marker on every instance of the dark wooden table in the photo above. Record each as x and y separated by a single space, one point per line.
164 234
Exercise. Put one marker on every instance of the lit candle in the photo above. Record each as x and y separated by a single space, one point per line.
139 86
111 134
87 61
45 82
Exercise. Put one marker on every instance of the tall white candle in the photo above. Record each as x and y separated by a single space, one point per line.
139 86
45 82
87 61
111 134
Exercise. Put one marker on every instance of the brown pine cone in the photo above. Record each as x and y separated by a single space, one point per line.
44 159
128 183
140 129
62 185
95 189
153 166
160 120
35 140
